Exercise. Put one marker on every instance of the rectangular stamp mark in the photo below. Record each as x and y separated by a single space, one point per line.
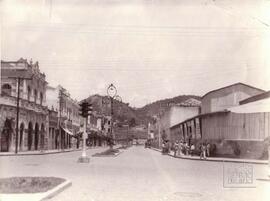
238 175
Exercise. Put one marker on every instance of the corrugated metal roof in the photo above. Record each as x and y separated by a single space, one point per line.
255 98
239 83
253 107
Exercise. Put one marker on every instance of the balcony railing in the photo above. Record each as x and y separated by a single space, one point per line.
25 104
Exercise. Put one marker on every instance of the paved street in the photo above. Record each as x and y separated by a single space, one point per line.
136 174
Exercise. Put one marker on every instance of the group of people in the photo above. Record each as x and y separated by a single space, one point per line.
184 148
205 150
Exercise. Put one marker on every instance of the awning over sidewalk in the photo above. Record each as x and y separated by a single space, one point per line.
67 131
200 116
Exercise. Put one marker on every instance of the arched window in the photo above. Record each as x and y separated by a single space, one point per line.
35 96
6 89
28 93
41 98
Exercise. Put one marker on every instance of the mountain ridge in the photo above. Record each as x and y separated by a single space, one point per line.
124 113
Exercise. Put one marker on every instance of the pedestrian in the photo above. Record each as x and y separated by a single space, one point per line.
203 151
192 149
208 149
176 148
167 145
163 147
180 148
187 148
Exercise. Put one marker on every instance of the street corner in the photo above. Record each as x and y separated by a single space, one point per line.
37 196
55 191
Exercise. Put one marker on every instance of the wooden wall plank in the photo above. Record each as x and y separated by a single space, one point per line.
268 124
261 136
265 124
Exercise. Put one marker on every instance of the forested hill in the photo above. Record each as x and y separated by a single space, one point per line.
135 116
160 106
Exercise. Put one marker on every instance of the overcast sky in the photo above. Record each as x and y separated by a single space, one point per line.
149 49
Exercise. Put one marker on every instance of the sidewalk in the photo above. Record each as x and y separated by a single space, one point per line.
218 159
44 152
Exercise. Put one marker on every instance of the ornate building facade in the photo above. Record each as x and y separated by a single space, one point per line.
64 119
32 106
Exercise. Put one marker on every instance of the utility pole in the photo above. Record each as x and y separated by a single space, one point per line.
59 119
18 112
19 80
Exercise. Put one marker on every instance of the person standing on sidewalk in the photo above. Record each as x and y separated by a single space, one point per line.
203 151
192 149
208 148
176 148
187 149
163 147
182 148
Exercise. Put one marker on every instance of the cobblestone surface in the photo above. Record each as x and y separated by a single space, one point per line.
137 174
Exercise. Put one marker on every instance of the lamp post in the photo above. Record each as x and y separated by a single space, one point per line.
112 93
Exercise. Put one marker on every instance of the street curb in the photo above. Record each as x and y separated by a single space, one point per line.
55 191
36 196
217 159
41 153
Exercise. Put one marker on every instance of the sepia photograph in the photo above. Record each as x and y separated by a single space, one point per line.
135 100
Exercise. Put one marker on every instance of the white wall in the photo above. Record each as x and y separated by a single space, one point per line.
180 114
52 98
227 101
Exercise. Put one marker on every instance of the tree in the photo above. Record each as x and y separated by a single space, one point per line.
164 136
132 122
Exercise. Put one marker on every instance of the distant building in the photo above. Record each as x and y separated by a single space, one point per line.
106 124
122 133
33 111
138 133
68 119
53 141
96 128
99 124
176 116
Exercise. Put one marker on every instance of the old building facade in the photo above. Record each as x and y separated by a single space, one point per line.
64 119
225 97
216 103
32 106
231 129
98 129
176 115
